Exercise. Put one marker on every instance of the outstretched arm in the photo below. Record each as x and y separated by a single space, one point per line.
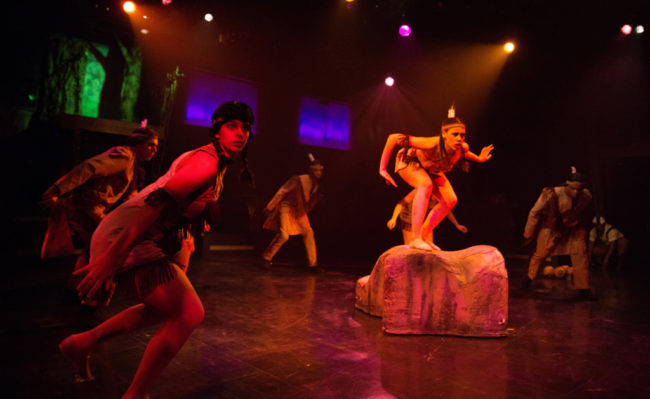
393 219
536 213
453 220
393 140
408 198
486 153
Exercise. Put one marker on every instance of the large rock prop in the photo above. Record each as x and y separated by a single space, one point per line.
455 293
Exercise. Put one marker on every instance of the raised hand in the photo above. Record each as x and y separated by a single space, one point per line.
486 153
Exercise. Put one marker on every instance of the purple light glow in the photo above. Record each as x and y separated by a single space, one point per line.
324 125
626 29
404 30
207 92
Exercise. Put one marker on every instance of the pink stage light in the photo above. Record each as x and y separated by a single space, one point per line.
404 30
389 81
166 2
626 29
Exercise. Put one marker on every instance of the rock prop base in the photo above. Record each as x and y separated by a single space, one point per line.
461 293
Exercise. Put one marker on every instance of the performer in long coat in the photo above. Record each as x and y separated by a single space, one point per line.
288 212
556 221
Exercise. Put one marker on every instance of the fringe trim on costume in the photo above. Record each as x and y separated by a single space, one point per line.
143 279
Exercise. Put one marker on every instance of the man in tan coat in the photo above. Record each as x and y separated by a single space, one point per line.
288 212
555 220
81 198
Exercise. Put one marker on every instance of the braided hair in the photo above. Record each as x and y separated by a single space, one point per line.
232 110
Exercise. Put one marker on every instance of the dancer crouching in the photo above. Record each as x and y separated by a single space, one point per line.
422 163
128 247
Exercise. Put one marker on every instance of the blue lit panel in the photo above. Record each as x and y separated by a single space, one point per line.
324 125
207 92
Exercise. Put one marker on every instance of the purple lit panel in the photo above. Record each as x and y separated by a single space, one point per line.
207 92
324 125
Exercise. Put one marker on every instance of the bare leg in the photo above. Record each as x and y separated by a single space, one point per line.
183 312
407 236
447 199
79 347
419 179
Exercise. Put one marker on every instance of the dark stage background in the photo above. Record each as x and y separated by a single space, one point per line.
575 92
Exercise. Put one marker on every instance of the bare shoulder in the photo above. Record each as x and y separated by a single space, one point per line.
425 143
197 171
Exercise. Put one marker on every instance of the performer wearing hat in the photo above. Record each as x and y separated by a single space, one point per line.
556 221
422 163
288 212
134 244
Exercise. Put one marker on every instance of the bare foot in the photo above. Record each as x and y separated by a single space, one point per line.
78 348
419 243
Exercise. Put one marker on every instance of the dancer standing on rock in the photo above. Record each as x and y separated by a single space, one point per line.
422 162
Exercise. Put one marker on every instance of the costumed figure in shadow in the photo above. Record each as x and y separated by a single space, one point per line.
80 199
402 213
288 212
556 221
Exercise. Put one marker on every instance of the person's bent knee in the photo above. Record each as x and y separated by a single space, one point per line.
425 186
193 314
451 202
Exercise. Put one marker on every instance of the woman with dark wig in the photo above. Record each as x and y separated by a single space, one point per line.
134 245
422 163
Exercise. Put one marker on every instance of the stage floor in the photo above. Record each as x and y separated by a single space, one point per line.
288 333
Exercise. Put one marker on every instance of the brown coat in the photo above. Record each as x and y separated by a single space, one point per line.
298 196
555 218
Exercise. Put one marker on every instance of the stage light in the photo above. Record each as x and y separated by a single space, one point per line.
166 2
129 7
639 29
626 29
208 17
144 31
509 47
349 1
389 81
404 30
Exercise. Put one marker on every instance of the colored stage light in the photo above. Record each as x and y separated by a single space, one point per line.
404 30
626 29
129 7
509 47
639 29
389 81
208 17
166 2
144 31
